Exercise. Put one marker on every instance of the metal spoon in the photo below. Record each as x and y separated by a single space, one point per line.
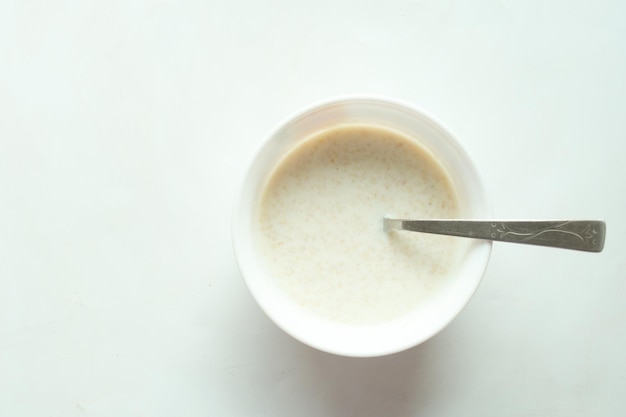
584 235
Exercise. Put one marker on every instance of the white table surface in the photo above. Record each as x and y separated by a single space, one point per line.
125 127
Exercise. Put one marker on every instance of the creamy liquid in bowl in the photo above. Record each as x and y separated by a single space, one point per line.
320 224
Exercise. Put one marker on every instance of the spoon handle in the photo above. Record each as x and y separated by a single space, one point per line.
583 235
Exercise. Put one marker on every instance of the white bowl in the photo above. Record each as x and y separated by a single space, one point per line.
362 340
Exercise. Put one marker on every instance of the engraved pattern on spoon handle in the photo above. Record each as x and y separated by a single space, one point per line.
583 235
